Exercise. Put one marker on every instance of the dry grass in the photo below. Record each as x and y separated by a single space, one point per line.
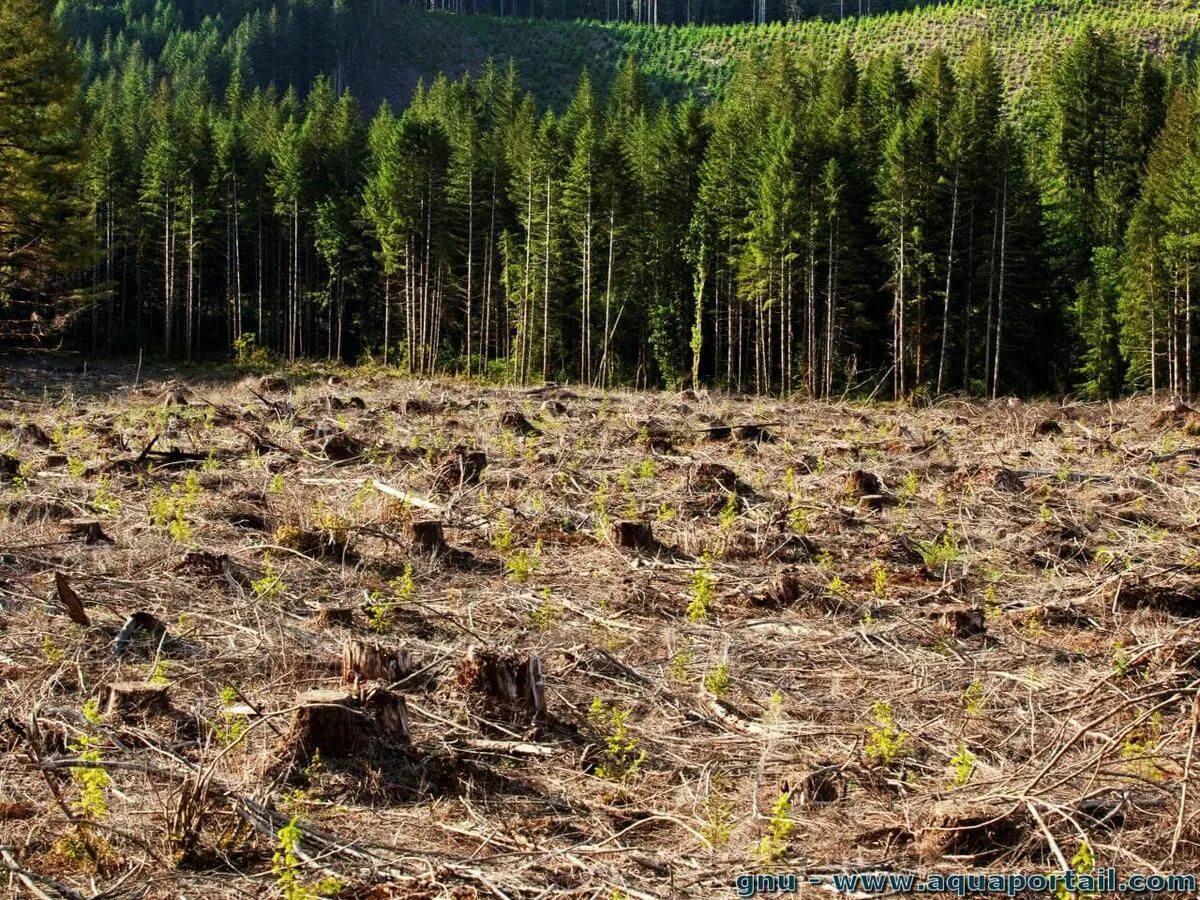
987 661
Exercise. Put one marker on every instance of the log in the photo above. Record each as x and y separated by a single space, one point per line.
124 698
327 721
428 538
633 535
362 661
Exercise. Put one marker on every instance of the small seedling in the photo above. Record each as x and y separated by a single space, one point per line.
702 593
886 743
972 699
718 681
774 844
622 755
963 764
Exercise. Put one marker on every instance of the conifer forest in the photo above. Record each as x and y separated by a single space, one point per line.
851 206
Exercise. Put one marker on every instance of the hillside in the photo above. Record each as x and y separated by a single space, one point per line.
986 661
402 45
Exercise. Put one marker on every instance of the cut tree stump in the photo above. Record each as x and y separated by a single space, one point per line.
335 617
517 683
86 530
862 483
633 535
428 537
462 468
327 721
139 623
124 698
512 420
362 661
963 622
388 714
714 476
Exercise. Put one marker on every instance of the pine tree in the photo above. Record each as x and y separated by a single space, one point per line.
44 228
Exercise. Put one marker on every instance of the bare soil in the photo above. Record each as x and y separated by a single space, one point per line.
513 643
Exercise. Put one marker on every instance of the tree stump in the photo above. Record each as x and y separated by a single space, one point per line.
462 469
124 698
335 616
388 714
755 434
709 476
139 623
518 684
428 537
862 484
513 420
327 721
86 530
633 535
363 661
963 622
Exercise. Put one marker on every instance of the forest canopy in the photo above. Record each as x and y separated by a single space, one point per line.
839 218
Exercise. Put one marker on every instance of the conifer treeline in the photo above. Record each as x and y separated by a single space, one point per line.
823 228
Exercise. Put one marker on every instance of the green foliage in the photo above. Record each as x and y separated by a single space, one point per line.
718 681
780 829
939 554
886 742
963 765
702 590
622 756
288 869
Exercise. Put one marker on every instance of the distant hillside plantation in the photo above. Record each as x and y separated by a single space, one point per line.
400 45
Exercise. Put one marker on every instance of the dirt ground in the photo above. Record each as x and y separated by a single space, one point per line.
656 641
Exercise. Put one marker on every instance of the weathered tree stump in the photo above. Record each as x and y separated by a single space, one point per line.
273 384
553 408
956 828
335 617
1047 427
962 622
343 447
30 434
718 431
86 530
139 624
327 721
428 537
783 590
388 714
362 661
462 469
755 434
513 420
517 684
633 535
124 698
709 476
861 484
